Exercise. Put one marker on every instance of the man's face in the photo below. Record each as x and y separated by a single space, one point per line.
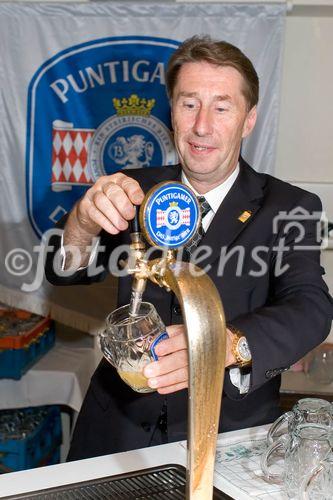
210 118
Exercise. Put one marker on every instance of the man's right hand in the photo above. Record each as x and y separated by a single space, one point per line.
109 205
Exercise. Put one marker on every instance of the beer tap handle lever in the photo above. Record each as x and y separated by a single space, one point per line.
134 223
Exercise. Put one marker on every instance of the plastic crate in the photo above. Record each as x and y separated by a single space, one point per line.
18 328
51 458
15 362
38 448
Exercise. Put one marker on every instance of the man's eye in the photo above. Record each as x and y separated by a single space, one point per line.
189 105
221 109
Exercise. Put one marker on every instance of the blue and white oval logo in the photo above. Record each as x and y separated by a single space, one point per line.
170 215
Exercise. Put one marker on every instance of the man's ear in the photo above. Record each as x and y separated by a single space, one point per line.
250 122
171 114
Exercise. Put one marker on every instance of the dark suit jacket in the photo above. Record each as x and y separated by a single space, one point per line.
283 315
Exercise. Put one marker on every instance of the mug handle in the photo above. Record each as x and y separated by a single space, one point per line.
273 448
285 418
308 480
324 465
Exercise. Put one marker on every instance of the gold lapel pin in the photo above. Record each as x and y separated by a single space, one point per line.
245 215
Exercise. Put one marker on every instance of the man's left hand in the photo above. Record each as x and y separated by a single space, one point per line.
170 373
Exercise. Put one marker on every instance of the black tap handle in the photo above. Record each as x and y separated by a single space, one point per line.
134 224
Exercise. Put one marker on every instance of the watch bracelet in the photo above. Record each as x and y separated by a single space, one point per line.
238 333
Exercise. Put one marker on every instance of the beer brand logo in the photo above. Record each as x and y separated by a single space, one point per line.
171 215
109 113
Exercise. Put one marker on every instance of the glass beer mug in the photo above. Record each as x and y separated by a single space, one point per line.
303 449
306 410
128 343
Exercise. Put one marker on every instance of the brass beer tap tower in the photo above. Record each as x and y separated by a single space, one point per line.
204 321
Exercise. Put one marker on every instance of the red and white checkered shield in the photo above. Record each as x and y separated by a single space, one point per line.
70 147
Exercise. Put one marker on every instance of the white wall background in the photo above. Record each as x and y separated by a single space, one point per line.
305 140
305 143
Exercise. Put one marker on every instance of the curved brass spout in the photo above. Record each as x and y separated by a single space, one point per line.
206 333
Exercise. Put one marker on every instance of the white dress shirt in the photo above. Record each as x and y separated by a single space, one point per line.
214 196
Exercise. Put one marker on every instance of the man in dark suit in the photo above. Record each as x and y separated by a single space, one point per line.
266 270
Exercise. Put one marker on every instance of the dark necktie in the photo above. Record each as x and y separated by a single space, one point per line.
204 209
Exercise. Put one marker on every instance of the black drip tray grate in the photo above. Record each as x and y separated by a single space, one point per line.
162 483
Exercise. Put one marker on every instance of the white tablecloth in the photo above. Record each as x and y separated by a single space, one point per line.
61 377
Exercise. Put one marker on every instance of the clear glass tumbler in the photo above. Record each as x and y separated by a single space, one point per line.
128 343
321 366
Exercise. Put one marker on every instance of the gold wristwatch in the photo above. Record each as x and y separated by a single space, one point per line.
240 348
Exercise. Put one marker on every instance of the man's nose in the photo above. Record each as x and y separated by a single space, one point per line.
203 123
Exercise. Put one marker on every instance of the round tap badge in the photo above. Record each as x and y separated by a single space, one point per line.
170 215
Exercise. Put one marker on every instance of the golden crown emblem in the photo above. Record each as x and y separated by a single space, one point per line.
134 105
173 204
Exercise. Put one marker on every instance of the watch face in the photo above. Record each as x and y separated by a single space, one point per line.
243 349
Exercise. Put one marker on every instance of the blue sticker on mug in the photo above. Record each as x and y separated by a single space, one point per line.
161 336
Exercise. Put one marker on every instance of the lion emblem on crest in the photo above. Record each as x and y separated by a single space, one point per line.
131 152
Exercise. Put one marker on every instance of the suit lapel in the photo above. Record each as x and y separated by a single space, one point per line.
236 211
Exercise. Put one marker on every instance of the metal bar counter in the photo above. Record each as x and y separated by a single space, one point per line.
100 467
92 468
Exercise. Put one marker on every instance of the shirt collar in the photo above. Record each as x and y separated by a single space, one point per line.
216 195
